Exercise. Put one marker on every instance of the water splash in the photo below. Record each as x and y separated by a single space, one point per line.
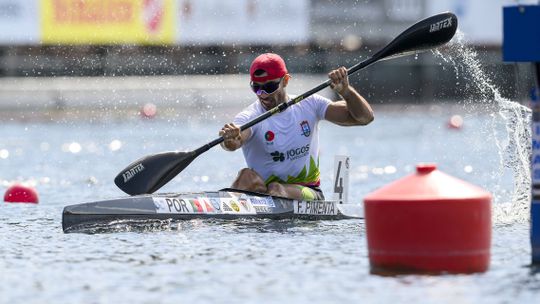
515 147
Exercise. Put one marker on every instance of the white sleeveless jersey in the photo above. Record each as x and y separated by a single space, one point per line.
285 147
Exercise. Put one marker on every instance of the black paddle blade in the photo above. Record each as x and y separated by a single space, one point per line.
148 174
426 34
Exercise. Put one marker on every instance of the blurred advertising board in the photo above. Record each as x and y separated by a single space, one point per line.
107 21
211 22
236 22
358 23
479 20
155 22
18 22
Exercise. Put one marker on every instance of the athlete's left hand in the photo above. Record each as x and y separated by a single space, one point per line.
339 80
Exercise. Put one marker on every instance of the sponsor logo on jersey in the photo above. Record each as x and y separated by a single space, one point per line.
277 156
291 154
306 130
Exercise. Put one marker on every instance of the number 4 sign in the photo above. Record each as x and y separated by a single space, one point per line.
341 178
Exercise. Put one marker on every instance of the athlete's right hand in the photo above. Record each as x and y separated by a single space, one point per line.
231 135
230 131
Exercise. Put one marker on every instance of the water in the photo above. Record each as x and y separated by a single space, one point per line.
72 161
87 155
516 147
244 261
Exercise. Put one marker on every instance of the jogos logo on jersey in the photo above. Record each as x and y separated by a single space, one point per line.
291 154
277 156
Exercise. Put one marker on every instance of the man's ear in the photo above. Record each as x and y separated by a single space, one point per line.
286 79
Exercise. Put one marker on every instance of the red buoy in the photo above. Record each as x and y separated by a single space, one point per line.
455 122
21 194
149 110
428 222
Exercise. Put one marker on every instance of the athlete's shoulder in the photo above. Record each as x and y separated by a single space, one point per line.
250 111
316 104
320 98
313 99
250 108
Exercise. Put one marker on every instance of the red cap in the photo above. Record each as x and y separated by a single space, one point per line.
272 64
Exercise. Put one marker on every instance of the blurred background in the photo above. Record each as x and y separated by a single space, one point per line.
49 48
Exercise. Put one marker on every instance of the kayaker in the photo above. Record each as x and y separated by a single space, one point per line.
282 152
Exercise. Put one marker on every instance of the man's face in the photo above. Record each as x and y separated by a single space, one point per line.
270 93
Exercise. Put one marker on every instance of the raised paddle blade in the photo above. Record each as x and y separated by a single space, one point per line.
150 173
424 35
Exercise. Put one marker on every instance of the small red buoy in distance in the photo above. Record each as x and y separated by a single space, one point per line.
19 193
149 110
455 122
428 222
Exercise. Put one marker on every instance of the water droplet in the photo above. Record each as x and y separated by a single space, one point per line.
4 153
115 145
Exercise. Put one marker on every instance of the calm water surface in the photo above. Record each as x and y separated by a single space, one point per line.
245 261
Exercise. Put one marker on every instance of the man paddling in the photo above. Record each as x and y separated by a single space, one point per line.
282 152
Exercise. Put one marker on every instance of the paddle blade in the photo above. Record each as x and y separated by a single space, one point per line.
426 34
148 174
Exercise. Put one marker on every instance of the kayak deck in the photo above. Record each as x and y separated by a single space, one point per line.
223 204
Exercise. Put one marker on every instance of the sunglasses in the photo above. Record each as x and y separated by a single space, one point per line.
266 88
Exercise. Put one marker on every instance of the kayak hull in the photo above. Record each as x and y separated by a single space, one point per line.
224 204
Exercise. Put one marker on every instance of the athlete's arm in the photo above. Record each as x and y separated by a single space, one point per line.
353 109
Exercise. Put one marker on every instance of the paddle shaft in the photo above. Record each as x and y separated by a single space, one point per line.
284 105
